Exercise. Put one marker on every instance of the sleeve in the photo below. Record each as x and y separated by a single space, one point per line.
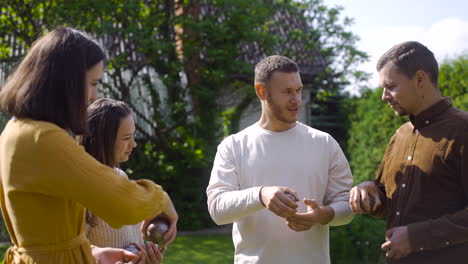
380 181
65 169
340 181
450 229
226 201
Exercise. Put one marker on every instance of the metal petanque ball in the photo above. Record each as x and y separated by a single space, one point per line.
132 249
291 196
156 230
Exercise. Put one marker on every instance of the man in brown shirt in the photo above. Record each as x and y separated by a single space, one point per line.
422 183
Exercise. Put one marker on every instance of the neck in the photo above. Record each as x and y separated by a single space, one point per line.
431 97
273 124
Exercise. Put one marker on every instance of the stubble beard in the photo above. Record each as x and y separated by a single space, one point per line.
277 112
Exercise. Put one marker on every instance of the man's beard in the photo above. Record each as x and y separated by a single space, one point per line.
278 112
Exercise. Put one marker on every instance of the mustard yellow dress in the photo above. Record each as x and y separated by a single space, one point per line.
47 181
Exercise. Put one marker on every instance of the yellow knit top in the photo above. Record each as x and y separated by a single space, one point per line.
46 182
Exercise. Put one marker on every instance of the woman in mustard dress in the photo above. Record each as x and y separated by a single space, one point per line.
46 179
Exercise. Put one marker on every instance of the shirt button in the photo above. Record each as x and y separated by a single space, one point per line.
447 243
409 157
427 122
398 213
403 185
421 249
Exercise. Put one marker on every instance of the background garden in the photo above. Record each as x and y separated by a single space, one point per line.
186 69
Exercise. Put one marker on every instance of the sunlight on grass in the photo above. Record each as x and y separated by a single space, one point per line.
214 249
201 249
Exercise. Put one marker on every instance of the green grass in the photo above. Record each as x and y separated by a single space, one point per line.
214 249
201 249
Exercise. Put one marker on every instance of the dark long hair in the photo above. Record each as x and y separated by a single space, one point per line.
104 116
49 83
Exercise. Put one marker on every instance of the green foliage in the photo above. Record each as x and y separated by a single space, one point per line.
371 125
358 242
453 81
206 83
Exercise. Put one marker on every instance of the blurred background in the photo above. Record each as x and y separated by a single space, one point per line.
186 69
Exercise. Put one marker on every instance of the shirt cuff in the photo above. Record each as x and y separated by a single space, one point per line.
420 236
343 213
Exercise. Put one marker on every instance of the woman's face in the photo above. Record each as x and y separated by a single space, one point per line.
93 77
124 142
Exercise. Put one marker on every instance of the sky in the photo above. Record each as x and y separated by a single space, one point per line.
441 25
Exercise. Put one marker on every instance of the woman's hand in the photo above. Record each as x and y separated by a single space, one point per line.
109 255
172 217
150 253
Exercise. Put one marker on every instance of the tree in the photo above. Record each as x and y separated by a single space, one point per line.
453 80
182 66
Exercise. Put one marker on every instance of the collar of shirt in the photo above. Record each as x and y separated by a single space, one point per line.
427 116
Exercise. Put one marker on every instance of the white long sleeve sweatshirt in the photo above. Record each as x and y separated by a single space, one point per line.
302 158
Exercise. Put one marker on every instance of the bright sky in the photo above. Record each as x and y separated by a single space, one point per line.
441 25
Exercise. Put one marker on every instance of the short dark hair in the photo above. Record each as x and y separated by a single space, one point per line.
104 116
266 67
49 83
410 57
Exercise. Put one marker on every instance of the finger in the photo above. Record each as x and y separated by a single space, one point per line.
129 255
281 209
311 203
292 194
149 251
171 234
389 234
365 201
355 200
297 228
387 245
286 200
377 203
143 227
158 253
301 218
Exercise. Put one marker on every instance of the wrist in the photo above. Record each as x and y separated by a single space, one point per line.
326 215
260 196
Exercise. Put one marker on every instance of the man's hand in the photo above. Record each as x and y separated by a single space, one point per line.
362 196
109 255
315 214
398 244
276 200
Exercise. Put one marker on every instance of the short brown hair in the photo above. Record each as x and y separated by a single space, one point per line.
266 67
410 57
49 83
104 116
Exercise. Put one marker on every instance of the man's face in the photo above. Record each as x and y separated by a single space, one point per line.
400 92
283 96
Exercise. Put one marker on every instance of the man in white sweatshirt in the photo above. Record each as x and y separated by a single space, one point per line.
298 173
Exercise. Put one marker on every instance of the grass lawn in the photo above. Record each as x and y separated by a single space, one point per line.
213 249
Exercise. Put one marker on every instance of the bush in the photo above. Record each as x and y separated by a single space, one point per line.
358 242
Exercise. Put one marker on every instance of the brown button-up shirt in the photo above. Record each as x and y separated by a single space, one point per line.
424 175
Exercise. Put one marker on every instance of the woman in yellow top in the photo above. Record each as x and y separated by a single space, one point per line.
46 179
